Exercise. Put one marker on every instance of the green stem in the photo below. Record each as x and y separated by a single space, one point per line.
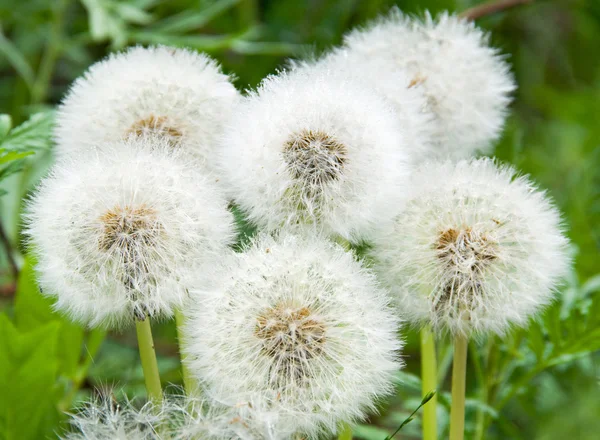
188 381
345 432
428 383
459 375
148 357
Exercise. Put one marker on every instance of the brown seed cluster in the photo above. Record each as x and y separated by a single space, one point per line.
465 254
314 157
126 227
156 126
454 245
291 336
129 232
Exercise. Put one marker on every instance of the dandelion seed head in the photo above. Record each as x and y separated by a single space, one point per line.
313 151
464 82
176 95
298 327
120 234
477 249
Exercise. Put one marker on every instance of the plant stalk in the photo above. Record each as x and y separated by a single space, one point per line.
148 357
459 375
429 383
345 432
188 381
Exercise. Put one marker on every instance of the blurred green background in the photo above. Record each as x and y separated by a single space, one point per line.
539 383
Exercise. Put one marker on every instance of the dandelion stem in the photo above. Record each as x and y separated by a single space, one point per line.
428 383
459 374
345 432
188 381
148 357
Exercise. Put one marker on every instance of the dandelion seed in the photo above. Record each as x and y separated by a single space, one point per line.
476 249
177 95
302 331
119 235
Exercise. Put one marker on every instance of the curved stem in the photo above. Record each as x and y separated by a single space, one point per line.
459 375
429 383
148 357
188 381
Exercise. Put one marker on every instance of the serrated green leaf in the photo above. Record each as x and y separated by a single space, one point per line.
33 134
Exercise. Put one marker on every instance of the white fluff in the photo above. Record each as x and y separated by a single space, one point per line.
466 83
120 233
315 150
176 94
298 328
405 97
177 417
103 418
477 248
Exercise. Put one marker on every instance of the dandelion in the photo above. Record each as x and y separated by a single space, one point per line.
174 94
466 83
313 150
477 249
117 236
299 326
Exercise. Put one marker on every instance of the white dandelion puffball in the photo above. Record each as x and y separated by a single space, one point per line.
299 326
175 94
311 149
120 234
103 418
467 83
399 90
477 248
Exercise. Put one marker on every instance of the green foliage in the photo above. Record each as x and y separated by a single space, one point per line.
44 360
540 382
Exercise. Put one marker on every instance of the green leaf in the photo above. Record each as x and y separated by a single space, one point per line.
5 125
33 134
408 381
28 371
33 310
188 21
17 60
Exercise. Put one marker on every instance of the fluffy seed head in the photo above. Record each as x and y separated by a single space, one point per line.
465 82
476 249
104 418
177 95
120 234
299 328
314 150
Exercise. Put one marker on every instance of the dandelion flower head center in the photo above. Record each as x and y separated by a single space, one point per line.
466 250
465 254
314 157
126 228
291 336
156 126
